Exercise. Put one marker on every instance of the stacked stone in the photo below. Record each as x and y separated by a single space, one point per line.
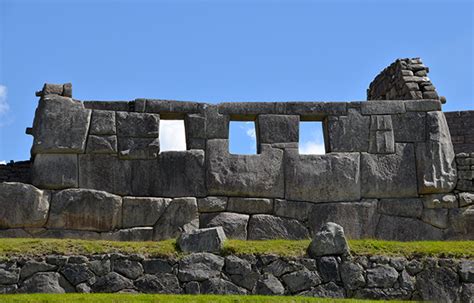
465 166
461 126
404 79
15 172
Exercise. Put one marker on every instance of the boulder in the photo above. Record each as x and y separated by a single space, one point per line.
352 275
244 175
241 272
329 290
301 280
9 275
382 276
322 178
155 266
202 240
54 171
111 282
102 123
220 286
406 229
212 204
438 284
269 285
22 205
31 267
250 205
141 211
329 269
85 209
200 267
234 225
161 283
43 282
349 133
330 240
100 267
181 215
131 269
77 273
262 227
60 126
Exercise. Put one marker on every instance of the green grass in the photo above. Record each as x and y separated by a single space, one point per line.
35 247
129 298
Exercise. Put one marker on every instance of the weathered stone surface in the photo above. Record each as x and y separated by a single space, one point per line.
322 178
329 290
212 204
220 286
352 275
422 105
100 267
359 219
202 240
278 128
301 280
101 145
8 289
43 282
31 267
77 273
466 271
154 266
129 268
278 267
382 107
389 176
141 211
244 175
234 225
102 123
192 288
129 234
138 148
105 172
436 217
329 269
382 276
440 201
409 127
263 227
467 293
217 125
9 275
111 282
330 240
250 205
181 215
241 272
292 209
161 283
349 133
466 199
381 139
406 229
401 207
138 125
22 205
84 209
54 171
268 284
438 284
60 126
200 267
436 167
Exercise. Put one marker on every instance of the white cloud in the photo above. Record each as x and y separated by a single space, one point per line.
251 133
3 162
4 107
312 148
172 135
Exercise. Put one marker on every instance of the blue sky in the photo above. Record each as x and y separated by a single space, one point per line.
214 51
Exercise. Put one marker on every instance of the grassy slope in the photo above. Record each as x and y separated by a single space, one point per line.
34 247
127 298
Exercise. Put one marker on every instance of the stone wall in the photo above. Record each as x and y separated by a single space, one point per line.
370 277
465 165
461 126
19 171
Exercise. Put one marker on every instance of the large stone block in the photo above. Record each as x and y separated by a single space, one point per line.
181 215
244 175
409 127
401 207
250 205
278 128
22 205
55 171
101 145
381 139
359 219
217 125
141 211
137 125
103 123
329 240
235 225
202 240
212 204
263 227
293 209
406 229
105 172
349 133
382 107
60 126
322 178
138 148
389 176
85 209
436 166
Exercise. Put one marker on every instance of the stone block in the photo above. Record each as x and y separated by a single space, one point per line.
311 111
181 215
250 205
55 171
409 127
292 209
234 225
200 267
138 148
422 105
264 227
381 142
389 176
195 126
60 126
244 175
349 133
141 211
43 282
440 201
217 125
172 109
101 145
322 178
401 207
406 229
359 219
144 177
139 125
269 285
123 106
382 107
105 172
382 276
84 209
278 128
103 123
329 240
212 204
437 217
22 205
466 199
461 223
129 234
436 167
202 240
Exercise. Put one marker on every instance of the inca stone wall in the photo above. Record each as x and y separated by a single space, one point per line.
97 172
461 126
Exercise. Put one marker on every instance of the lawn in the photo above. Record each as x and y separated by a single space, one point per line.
132 298
35 247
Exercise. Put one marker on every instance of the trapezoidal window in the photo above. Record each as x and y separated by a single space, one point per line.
172 135
242 138
311 141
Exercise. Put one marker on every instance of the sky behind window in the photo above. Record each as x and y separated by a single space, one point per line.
213 51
